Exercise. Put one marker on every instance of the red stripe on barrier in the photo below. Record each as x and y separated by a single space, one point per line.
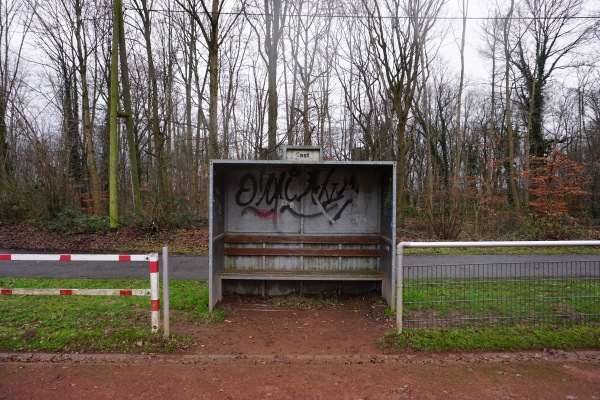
155 305
65 257
5 257
6 292
153 267
125 293
124 258
66 292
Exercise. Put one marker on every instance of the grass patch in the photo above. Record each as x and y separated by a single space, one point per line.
304 302
491 314
468 302
493 339
95 323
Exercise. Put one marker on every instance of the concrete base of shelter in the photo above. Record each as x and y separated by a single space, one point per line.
282 288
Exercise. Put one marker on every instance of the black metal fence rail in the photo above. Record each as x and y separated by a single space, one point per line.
472 295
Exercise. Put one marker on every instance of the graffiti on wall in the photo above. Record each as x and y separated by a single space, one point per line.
269 195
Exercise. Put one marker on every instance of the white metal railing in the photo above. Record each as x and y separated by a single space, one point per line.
402 245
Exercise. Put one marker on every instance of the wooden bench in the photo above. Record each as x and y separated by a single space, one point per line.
271 251
329 246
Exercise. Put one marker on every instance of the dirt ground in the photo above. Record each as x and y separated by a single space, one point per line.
265 351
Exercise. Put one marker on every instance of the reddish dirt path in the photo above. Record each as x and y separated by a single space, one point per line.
253 326
261 351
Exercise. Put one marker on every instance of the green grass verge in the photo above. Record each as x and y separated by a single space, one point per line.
484 315
493 339
95 323
509 299
122 324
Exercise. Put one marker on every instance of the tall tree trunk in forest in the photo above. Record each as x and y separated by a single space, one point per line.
213 84
274 13
3 143
113 121
192 162
96 191
509 131
428 141
274 30
210 31
167 110
465 6
291 106
10 60
489 133
70 104
4 98
164 187
132 144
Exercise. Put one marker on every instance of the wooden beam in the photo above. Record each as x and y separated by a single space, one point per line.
261 251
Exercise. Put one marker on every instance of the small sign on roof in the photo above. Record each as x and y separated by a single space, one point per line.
303 154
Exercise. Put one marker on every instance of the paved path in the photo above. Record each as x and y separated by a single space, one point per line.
196 267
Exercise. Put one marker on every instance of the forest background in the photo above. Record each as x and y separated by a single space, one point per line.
491 111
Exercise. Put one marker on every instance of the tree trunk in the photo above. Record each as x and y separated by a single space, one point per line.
273 34
459 103
131 137
192 169
509 133
3 144
164 191
96 191
113 121
213 65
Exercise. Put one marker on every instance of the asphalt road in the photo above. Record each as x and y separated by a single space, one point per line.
196 267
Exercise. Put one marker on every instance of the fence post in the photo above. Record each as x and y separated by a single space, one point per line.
154 297
166 304
399 285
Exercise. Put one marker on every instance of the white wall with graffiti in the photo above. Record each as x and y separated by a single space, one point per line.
303 199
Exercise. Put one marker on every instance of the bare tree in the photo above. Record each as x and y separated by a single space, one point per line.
82 51
457 172
360 84
159 136
132 141
235 51
10 64
270 33
397 33
59 42
307 33
547 35
510 137
208 20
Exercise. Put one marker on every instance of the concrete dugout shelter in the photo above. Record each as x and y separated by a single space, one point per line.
301 225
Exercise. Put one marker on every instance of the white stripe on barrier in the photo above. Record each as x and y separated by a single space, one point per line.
75 257
74 292
154 297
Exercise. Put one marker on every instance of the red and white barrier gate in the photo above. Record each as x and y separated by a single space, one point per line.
152 292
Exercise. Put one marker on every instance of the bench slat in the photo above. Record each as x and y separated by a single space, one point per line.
259 251
302 239
307 275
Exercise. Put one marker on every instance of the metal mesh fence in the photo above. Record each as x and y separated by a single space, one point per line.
472 295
